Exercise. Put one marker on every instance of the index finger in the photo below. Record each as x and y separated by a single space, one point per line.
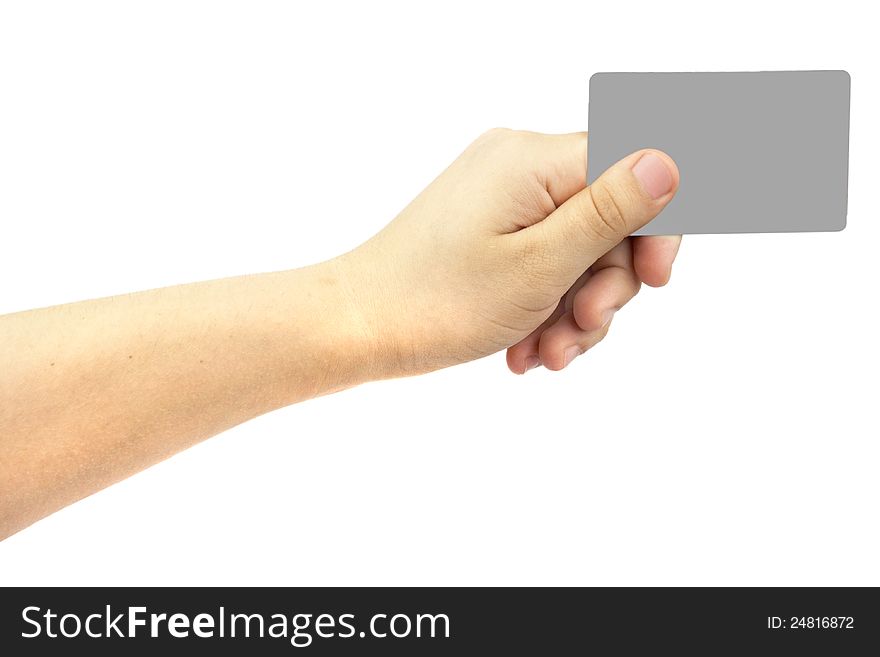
563 168
653 256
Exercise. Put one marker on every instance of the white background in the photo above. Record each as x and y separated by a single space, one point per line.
724 433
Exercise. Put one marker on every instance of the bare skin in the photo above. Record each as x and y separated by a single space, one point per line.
522 257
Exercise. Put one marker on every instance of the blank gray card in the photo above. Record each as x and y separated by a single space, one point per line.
757 152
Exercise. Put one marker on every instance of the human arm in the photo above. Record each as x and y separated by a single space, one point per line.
505 249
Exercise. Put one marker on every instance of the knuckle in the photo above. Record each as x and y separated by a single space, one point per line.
494 136
594 338
600 335
505 138
608 221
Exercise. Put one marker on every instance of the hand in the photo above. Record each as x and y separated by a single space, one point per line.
508 248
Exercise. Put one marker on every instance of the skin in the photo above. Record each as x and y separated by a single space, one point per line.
506 249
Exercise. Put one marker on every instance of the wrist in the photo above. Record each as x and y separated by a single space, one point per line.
306 335
363 316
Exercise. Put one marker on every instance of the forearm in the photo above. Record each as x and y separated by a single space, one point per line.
92 392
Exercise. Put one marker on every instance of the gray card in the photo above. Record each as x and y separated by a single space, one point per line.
758 152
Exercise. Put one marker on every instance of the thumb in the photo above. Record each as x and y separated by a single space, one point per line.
622 200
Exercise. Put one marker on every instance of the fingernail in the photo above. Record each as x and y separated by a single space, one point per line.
607 316
570 354
653 175
531 363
